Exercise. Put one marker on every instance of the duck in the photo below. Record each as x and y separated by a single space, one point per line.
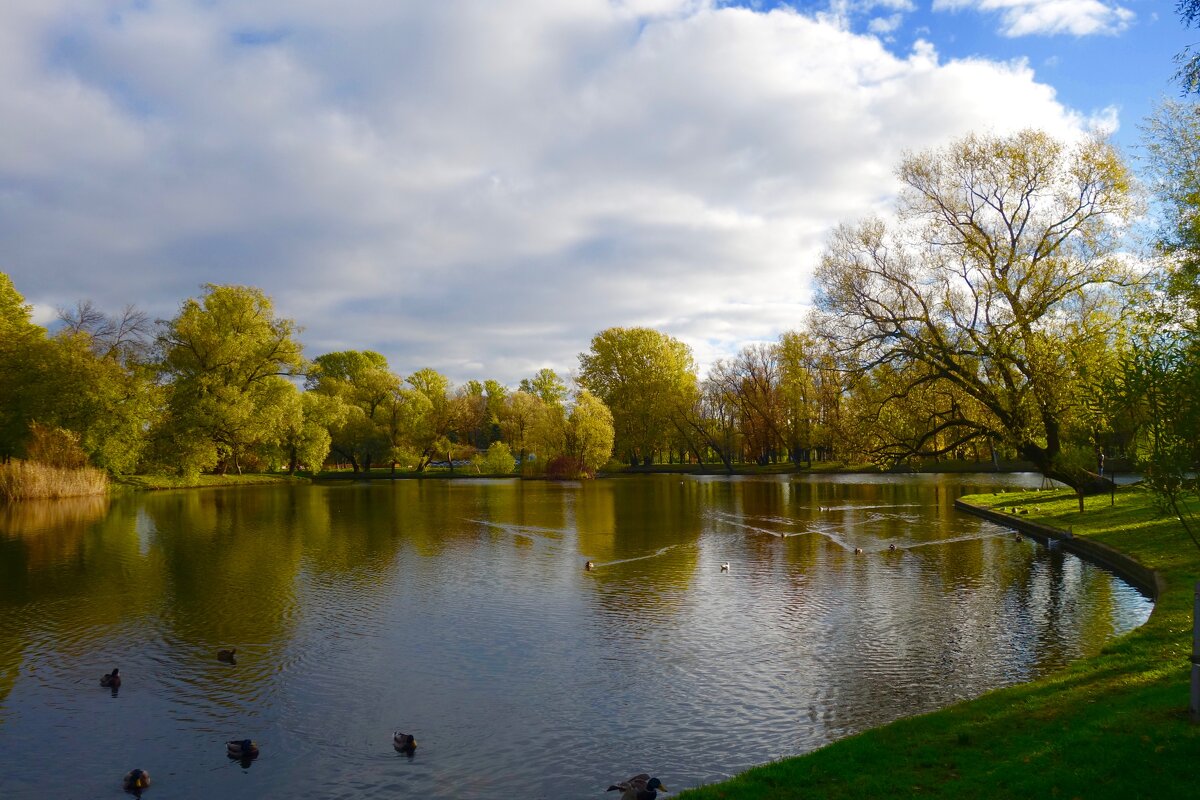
242 748
589 566
111 680
227 655
1019 538
136 780
892 548
858 551
725 566
404 742
639 787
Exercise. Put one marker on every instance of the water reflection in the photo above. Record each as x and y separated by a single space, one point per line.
461 611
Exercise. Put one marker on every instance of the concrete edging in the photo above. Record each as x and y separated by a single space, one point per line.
1145 579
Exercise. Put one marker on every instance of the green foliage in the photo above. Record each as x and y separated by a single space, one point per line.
225 357
1162 382
498 461
1002 273
98 391
589 433
647 379
360 385
546 386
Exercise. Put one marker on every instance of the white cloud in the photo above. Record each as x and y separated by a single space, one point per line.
1049 17
885 25
464 183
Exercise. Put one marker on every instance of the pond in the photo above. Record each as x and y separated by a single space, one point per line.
461 612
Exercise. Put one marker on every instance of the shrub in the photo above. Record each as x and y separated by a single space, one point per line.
565 467
54 447
499 459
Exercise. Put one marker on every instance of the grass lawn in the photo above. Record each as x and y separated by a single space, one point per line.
204 481
1111 726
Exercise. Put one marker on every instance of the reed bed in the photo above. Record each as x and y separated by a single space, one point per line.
29 480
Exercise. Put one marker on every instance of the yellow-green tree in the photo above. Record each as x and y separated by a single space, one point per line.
646 379
1001 268
226 357
370 425
589 432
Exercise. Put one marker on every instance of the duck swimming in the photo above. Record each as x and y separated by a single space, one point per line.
245 749
404 742
639 787
227 655
589 566
136 780
858 551
111 680
725 567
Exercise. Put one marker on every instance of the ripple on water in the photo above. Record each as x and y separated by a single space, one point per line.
461 614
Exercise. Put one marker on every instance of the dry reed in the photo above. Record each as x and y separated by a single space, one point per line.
28 480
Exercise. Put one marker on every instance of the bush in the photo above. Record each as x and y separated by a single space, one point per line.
499 459
54 447
565 467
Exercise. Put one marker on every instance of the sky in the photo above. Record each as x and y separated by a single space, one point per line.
480 186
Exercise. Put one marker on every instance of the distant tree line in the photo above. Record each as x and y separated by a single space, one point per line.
998 313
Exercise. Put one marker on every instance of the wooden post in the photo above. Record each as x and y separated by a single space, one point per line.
1194 708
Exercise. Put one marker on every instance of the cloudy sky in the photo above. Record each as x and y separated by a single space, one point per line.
481 185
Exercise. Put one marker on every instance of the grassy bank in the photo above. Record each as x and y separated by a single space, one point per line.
1114 725
27 480
817 468
150 482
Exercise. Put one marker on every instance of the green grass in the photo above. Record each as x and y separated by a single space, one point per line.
1111 726
385 473
817 467
205 481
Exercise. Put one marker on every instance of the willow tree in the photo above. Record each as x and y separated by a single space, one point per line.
999 274
645 378
227 358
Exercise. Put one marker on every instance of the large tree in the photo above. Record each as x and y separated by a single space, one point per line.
366 432
645 378
20 341
89 379
1000 270
227 357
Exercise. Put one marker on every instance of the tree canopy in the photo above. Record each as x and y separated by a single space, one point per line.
998 276
645 377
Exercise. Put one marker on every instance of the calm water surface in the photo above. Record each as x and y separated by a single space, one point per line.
461 612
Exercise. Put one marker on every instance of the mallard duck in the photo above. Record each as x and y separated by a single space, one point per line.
242 748
136 780
111 680
227 655
404 742
589 566
639 787
725 566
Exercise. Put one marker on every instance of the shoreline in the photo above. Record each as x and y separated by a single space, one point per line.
1114 724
